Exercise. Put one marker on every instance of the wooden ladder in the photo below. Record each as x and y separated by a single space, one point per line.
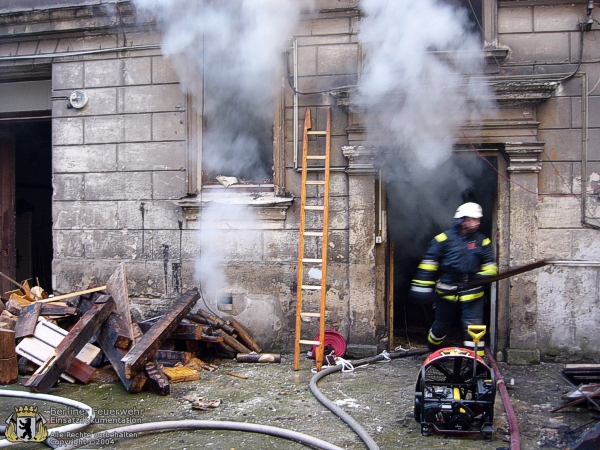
318 234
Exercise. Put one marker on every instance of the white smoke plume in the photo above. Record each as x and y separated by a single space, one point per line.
416 87
229 58
228 54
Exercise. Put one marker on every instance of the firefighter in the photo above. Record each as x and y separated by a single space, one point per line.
454 258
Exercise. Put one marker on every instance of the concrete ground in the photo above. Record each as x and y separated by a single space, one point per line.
380 397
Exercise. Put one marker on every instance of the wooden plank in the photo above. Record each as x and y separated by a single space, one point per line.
53 335
38 353
27 320
80 370
45 377
180 374
141 352
116 286
73 294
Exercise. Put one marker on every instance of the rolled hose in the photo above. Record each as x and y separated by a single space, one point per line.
515 440
55 399
209 425
358 429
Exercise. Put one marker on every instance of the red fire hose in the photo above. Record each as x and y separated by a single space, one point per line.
515 440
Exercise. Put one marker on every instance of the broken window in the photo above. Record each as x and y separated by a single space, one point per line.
474 13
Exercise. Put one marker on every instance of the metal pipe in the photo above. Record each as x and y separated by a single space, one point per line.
82 52
584 150
515 440
296 138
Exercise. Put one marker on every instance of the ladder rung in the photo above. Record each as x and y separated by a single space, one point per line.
314 288
318 133
310 314
315 208
312 260
313 233
315 182
316 157
309 342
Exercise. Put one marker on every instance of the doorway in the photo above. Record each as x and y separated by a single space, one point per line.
419 208
26 147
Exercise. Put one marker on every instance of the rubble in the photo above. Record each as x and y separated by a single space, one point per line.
97 329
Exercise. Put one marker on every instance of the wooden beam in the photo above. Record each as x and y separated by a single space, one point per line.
160 331
258 358
245 337
45 377
161 381
231 342
216 322
184 332
105 340
50 309
27 320
116 286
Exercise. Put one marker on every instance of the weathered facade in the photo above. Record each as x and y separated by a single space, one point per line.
127 170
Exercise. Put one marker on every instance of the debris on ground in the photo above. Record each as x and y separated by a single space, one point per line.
68 337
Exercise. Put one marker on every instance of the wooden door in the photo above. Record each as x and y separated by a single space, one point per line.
8 257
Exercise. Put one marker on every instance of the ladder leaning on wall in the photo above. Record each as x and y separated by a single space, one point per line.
317 232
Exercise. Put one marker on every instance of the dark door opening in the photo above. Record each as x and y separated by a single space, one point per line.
31 148
419 209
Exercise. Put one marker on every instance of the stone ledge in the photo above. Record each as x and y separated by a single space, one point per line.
523 356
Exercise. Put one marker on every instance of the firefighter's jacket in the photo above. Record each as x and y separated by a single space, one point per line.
450 263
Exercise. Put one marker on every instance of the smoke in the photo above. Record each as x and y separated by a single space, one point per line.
228 55
416 88
416 91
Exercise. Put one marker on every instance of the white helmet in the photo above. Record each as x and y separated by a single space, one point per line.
468 210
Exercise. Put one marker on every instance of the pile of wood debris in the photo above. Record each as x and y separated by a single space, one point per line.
67 337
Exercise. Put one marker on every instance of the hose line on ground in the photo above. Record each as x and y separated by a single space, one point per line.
83 423
206 425
358 429
515 440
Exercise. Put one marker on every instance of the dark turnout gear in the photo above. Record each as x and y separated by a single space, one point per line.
450 263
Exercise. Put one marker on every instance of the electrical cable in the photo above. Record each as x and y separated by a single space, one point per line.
504 177
80 424
174 425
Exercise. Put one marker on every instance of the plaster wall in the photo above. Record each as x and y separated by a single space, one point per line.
554 312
